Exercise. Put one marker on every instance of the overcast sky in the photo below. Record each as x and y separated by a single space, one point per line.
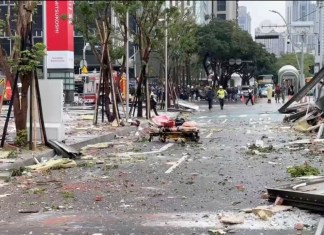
259 11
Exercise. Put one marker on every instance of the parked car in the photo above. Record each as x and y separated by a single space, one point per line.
264 92
245 91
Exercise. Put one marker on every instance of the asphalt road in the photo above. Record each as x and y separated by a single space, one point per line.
166 188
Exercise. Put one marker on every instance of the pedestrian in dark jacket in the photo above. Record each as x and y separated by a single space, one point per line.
153 103
210 96
250 96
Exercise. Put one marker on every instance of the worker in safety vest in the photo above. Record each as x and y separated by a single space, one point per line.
221 93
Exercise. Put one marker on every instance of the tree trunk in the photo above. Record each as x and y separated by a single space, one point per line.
25 9
20 112
145 58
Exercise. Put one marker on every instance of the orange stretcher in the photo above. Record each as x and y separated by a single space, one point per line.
167 129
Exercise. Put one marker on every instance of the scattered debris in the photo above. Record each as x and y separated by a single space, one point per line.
279 201
53 164
258 150
240 187
103 145
216 232
4 154
263 214
5 175
232 219
28 211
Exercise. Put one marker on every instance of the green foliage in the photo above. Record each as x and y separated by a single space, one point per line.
29 59
22 138
290 59
13 154
302 170
86 26
117 53
67 195
224 40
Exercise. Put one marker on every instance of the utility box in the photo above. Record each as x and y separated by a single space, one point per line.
51 92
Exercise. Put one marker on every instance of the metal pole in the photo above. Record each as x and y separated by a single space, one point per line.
302 79
83 54
134 64
127 66
289 35
44 39
166 64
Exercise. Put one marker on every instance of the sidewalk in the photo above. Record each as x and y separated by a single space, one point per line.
79 131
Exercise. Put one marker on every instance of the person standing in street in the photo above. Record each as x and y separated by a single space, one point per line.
283 91
250 96
290 91
277 93
269 93
221 93
210 96
153 103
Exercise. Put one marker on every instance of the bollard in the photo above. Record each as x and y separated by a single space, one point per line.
320 131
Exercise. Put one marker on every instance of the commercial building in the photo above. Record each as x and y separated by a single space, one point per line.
244 19
273 41
300 17
224 10
199 9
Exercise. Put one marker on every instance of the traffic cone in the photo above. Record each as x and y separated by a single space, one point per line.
242 99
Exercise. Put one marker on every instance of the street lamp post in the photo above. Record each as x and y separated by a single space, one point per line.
127 66
166 63
301 64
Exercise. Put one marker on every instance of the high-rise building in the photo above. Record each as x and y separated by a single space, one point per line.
300 17
224 10
244 19
319 36
273 41
199 9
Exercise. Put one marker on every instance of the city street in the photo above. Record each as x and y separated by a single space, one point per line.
131 187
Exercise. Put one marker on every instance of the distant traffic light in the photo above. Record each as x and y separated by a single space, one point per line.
311 69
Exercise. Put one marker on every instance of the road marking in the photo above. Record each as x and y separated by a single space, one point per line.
264 114
224 121
243 115
176 164
222 116
209 135
209 121
320 227
128 154
203 117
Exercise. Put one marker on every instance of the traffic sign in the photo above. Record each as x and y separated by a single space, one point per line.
84 70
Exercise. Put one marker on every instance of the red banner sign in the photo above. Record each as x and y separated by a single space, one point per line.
59 34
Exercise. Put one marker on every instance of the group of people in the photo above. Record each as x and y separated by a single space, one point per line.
231 94
282 91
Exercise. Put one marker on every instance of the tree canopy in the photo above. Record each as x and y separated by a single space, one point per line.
219 41
290 59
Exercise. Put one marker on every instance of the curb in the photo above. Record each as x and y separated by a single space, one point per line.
49 153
